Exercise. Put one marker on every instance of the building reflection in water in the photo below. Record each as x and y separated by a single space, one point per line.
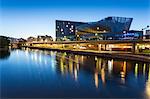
123 72
147 89
4 54
102 69
89 71
41 57
68 64
71 64
99 70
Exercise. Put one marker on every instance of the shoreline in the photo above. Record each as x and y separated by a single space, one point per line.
126 56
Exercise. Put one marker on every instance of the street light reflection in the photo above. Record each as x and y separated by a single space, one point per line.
103 75
110 66
148 85
75 74
96 79
136 70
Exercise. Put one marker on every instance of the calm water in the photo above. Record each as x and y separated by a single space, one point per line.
30 73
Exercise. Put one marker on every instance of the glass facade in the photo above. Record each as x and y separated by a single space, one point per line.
105 29
66 30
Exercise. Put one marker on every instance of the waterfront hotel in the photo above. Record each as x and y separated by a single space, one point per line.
110 28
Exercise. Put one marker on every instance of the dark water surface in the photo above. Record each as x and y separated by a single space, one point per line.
34 73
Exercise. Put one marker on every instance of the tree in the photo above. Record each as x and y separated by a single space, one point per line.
4 42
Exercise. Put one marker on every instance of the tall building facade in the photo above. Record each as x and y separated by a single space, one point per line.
110 28
66 30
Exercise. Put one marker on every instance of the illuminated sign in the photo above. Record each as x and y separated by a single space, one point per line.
132 35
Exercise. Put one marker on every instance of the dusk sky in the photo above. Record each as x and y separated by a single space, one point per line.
24 18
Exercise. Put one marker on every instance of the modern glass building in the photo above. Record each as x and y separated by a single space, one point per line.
66 30
110 28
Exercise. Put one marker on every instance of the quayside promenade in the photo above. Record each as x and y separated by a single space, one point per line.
124 49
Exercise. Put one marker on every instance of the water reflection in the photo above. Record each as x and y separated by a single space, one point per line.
147 90
102 69
63 74
4 54
99 67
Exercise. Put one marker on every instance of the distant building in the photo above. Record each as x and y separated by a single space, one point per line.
40 38
147 35
31 39
45 38
105 29
16 40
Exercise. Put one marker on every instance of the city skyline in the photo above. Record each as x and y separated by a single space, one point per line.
36 17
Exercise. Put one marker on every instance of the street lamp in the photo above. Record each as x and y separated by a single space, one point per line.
145 27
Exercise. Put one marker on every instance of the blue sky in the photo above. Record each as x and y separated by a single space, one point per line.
24 18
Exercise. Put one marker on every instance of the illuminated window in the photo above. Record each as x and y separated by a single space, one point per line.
71 30
71 26
57 26
61 30
68 22
97 28
66 25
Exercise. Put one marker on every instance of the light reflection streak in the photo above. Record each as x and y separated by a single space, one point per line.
77 66
35 57
136 70
123 72
103 75
17 52
45 61
75 74
110 66
32 57
26 53
62 66
147 90
40 59
99 64
76 58
96 79
52 61
124 67
70 65
82 58
144 67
